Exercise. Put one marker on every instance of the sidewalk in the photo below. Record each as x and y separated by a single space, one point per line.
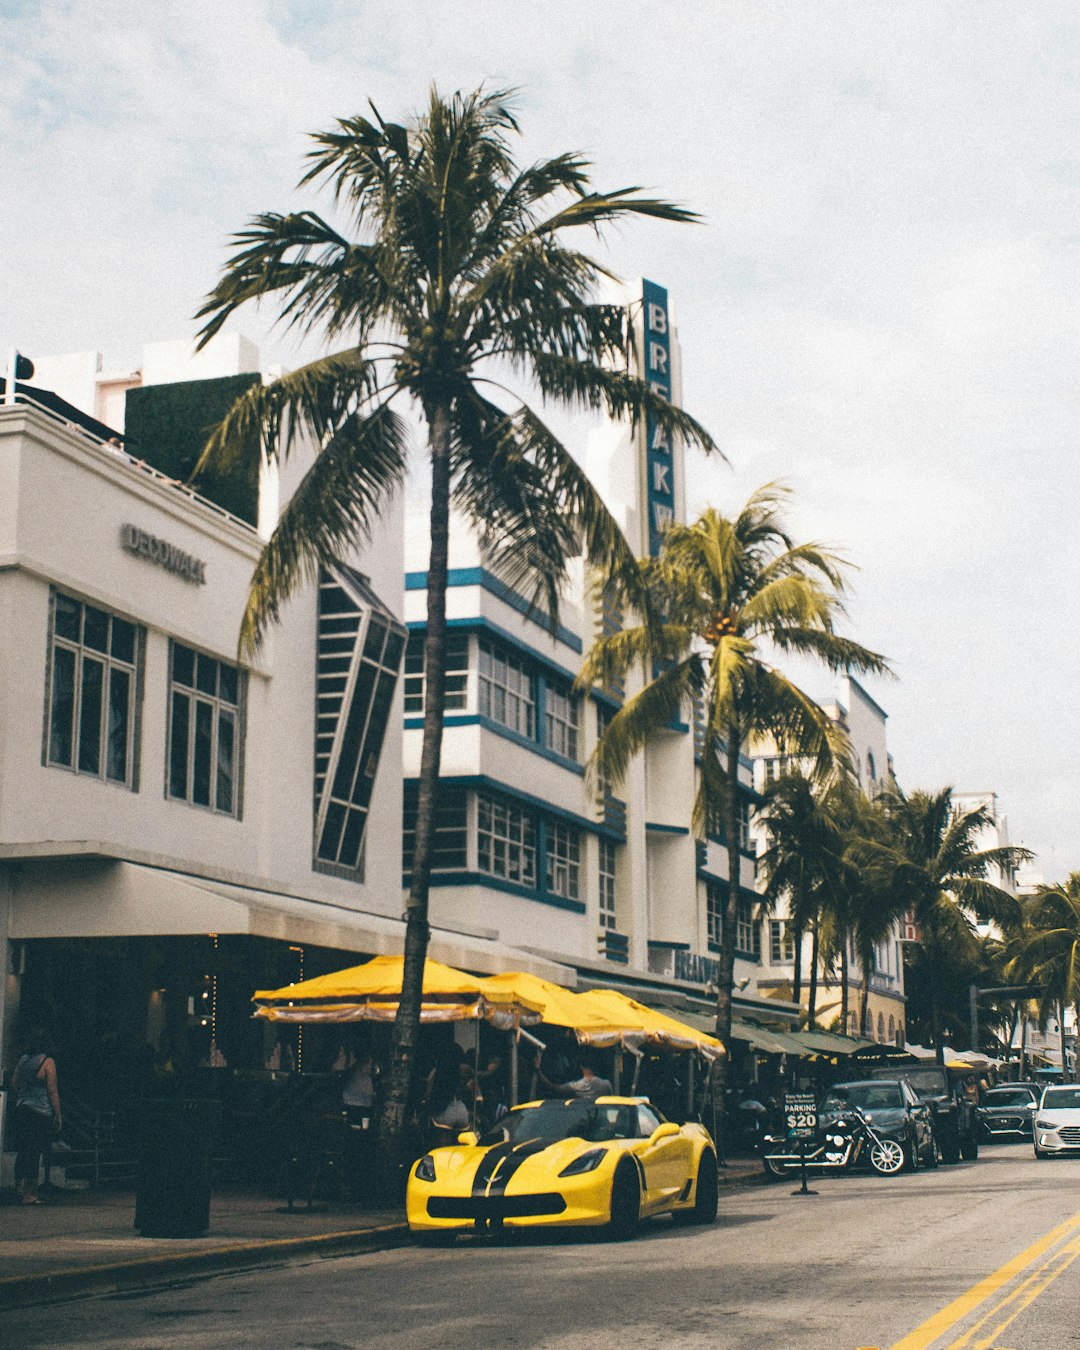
82 1242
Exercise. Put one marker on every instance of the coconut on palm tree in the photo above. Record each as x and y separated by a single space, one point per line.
451 273
727 595
931 866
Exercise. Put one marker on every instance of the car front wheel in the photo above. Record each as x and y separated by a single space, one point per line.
625 1214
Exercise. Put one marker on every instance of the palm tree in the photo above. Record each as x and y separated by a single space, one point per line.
930 866
722 589
1051 953
451 273
804 863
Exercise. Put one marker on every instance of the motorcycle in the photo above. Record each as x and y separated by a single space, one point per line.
840 1145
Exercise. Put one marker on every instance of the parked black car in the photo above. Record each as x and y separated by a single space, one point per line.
1009 1111
956 1122
895 1112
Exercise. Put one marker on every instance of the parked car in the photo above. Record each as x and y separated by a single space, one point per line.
895 1112
605 1164
956 1123
1008 1111
1057 1122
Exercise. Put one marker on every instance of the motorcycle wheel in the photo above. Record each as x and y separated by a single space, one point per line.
887 1157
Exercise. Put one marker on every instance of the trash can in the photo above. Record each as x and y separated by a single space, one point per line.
173 1195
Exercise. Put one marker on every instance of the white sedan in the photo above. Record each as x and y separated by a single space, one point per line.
1057 1122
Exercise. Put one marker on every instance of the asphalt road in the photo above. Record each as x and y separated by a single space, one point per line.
986 1248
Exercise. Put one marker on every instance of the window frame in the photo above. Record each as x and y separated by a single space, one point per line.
491 688
522 841
562 860
218 704
607 884
110 662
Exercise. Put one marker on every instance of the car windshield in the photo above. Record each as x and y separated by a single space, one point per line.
866 1096
566 1120
1008 1097
1061 1099
928 1082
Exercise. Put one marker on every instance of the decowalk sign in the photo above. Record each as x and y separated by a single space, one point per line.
155 550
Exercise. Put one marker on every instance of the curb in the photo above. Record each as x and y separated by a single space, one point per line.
57 1286
149 1272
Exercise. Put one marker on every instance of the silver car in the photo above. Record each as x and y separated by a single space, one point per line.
1057 1122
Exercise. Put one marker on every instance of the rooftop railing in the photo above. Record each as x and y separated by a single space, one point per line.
113 445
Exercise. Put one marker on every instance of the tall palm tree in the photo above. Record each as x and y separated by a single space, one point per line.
451 273
1051 953
930 865
725 592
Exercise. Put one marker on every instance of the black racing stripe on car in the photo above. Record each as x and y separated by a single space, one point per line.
509 1165
488 1163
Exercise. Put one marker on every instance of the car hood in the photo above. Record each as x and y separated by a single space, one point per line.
1061 1115
499 1162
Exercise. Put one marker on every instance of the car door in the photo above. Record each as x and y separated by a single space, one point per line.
666 1162
920 1116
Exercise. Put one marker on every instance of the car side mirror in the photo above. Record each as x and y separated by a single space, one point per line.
468 1138
666 1131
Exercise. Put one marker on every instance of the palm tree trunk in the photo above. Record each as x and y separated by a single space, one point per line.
845 976
935 1008
796 982
815 947
725 978
400 1097
865 1000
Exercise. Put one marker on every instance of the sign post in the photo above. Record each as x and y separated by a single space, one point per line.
801 1120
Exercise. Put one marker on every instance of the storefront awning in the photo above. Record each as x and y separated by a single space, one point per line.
79 897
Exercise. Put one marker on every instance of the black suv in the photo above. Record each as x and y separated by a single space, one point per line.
956 1123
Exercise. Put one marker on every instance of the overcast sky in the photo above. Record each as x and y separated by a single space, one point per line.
880 308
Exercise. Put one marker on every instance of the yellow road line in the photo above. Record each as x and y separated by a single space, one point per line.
1023 1297
962 1307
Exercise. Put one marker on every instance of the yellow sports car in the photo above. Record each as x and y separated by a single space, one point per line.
605 1164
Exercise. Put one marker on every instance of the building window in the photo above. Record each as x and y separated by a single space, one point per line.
93 668
562 860
781 943
505 841
359 651
457 672
204 731
561 721
507 690
715 904
450 848
747 929
715 824
607 884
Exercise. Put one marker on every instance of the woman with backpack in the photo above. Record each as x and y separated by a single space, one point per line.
37 1113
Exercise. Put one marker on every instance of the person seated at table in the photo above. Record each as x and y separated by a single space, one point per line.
588 1087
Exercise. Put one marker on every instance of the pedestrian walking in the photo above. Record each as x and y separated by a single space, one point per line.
37 1114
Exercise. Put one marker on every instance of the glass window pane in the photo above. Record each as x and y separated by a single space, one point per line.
96 629
90 701
352 838
227 683
225 748
392 655
328 844
354 729
123 640
178 748
67 617
116 754
183 666
206 675
373 643
204 739
62 706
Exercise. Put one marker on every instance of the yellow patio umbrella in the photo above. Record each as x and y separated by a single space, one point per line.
371 993
559 1007
628 1017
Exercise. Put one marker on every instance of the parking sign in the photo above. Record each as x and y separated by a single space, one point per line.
800 1115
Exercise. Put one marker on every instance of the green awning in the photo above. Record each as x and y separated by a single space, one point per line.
828 1043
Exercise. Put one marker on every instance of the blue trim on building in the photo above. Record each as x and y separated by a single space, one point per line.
482 782
544 897
480 576
480 624
669 946
656 828
489 724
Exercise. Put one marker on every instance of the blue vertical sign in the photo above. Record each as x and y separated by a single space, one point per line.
659 460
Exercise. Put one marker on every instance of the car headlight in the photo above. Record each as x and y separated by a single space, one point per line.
587 1162
425 1168
1045 1125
